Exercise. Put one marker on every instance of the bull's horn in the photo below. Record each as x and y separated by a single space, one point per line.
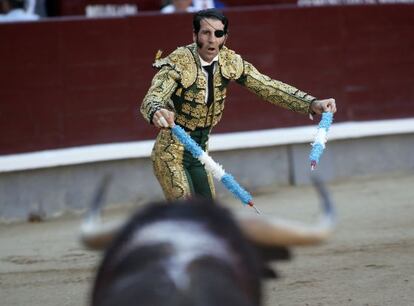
94 233
273 232
97 235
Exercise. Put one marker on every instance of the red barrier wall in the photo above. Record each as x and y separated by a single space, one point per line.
80 81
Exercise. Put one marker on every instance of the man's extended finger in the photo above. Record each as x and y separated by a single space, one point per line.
169 116
165 113
162 122
170 119
332 105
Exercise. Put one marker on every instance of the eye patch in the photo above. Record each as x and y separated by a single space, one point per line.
219 33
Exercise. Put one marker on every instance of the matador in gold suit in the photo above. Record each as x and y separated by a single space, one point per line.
196 94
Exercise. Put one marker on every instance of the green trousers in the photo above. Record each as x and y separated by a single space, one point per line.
195 172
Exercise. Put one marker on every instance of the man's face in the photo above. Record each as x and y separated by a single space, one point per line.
181 5
208 44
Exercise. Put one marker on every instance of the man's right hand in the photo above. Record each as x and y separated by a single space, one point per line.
163 118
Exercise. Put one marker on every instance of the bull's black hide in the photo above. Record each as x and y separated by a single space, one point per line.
202 259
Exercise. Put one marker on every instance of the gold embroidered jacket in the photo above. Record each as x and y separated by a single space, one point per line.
180 86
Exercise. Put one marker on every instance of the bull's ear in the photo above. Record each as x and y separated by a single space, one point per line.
273 253
269 272
269 254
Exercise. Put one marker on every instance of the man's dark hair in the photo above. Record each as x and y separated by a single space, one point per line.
209 13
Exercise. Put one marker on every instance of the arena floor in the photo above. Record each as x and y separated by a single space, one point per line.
368 261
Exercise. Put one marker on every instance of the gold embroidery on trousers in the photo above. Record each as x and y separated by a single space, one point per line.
167 158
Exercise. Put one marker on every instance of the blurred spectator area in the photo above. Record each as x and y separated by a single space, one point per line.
77 7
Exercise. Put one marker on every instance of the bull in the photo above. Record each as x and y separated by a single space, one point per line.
193 252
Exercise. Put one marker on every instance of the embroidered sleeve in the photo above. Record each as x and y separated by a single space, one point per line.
159 94
274 91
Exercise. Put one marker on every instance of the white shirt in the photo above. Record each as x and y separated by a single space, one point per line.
171 9
203 4
30 6
18 15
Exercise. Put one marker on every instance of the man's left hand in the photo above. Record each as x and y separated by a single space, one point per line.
321 106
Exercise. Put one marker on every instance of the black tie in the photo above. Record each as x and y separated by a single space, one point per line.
210 82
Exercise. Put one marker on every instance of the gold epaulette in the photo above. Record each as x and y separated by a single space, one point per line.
182 61
231 64
158 55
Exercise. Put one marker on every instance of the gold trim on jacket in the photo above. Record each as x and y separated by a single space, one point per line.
275 92
180 86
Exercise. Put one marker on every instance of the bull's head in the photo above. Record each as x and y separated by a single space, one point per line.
191 251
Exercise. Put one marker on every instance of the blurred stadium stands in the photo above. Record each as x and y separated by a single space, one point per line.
77 7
